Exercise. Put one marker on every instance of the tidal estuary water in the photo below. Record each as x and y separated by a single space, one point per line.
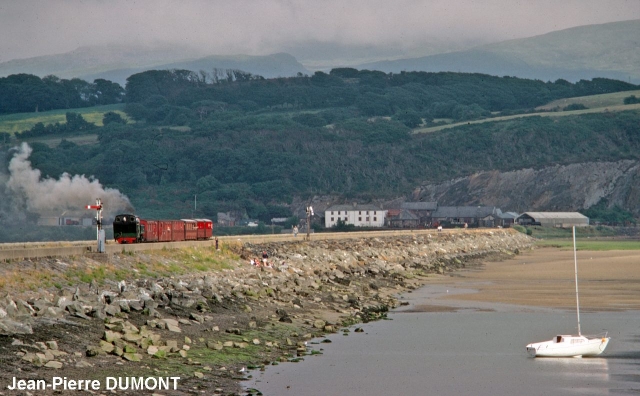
477 350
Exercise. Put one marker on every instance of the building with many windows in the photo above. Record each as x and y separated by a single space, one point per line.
356 214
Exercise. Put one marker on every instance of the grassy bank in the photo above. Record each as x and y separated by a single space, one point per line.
162 263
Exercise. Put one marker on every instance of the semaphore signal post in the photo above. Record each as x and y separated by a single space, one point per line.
99 231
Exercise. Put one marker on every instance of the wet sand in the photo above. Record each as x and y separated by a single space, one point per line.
544 277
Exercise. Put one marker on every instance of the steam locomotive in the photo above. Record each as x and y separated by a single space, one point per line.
129 228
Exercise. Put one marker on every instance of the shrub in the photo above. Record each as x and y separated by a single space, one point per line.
520 228
575 106
112 116
631 100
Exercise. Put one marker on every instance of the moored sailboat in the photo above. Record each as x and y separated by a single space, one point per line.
571 345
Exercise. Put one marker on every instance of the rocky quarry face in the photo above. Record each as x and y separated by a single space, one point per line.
318 286
556 188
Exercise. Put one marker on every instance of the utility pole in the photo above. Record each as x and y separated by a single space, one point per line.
309 214
99 231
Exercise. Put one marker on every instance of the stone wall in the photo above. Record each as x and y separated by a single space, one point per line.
318 286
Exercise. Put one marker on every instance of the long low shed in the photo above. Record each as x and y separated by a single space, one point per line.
553 219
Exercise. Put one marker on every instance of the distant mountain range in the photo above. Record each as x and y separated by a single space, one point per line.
609 50
267 66
116 63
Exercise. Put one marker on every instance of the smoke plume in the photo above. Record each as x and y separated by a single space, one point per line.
66 195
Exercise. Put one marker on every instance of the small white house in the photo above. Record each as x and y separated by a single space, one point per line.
358 215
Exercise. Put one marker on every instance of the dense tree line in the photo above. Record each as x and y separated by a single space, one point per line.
23 93
181 96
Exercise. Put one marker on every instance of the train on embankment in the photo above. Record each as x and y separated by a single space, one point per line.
129 228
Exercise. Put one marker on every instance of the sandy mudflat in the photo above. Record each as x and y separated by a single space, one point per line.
608 280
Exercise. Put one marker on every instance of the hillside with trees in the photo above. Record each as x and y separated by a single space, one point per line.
244 143
345 94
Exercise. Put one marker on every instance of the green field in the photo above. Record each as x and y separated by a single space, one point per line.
19 122
612 102
565 233
587 238
588 244
593 101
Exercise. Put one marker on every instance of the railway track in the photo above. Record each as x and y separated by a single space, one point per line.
33 250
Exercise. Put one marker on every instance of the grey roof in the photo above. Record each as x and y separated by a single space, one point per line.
405 215
465 211
352 207
554 215
419 205
508 215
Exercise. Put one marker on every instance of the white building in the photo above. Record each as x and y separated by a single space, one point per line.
358 215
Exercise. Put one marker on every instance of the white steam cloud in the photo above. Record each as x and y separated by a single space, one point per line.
68 194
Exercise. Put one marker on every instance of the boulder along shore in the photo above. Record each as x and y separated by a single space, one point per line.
208 315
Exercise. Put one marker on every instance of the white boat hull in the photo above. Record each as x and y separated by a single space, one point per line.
569 346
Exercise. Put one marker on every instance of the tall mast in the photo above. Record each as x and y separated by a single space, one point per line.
575 264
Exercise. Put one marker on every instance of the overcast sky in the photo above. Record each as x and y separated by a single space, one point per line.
41 27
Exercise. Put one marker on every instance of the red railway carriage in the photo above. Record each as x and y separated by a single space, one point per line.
149 230
190 229
128 228
205 228
170 230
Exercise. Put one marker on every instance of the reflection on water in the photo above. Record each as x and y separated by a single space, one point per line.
468 352
595 368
